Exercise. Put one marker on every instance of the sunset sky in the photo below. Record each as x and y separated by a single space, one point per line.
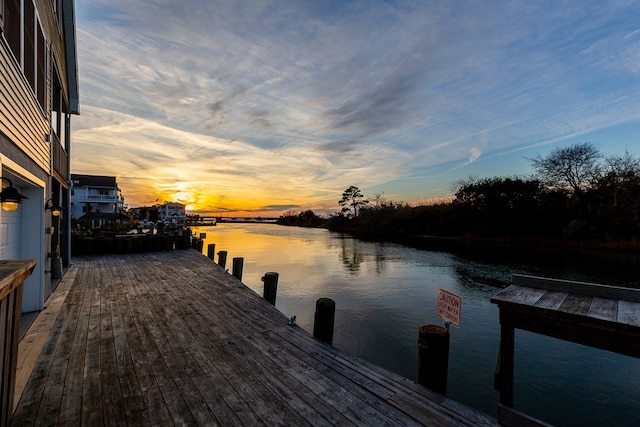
258 107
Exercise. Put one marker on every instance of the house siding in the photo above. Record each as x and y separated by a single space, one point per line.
53 34
21 118
27 143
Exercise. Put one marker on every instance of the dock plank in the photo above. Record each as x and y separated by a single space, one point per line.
170 338
604 309
551 300
629 313
152 405
69 370
529 296
576 304
120 387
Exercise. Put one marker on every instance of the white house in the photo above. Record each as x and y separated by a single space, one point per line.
172 213
38 95
96 199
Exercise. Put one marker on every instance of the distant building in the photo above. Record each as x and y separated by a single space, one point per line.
173 214
38 95
96 199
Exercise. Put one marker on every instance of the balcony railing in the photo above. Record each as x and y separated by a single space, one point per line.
97 198
60 163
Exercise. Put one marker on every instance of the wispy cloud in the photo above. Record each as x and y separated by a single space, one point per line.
286 104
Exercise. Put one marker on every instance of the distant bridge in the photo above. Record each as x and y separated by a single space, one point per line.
212 220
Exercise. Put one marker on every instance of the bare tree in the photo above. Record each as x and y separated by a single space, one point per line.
379 201
576 167
622 173
623 166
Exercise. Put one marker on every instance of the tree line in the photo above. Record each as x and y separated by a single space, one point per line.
575 194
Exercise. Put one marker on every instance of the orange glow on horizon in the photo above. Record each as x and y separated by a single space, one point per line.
198 203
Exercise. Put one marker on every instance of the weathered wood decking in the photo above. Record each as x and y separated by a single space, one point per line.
169 338
600 316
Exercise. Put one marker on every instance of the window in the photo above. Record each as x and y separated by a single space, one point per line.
41 66
27 43
57 8
29 56
58 110
12 26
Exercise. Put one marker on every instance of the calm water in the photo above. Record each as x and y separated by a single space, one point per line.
384 292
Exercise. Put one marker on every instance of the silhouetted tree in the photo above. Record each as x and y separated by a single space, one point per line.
576 167
352 201
616 198
622 173
307 218
499 204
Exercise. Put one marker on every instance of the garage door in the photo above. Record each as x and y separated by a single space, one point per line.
10 236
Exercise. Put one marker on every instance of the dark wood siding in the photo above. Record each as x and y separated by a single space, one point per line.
23 90
21 119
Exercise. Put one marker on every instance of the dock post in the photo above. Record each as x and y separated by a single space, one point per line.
211 250
200 245
222 259
270 280
433 357
324 320
238 264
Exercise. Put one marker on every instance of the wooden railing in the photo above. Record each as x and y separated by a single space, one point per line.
12 277
59 159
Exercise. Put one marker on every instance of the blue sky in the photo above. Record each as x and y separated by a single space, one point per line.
268 106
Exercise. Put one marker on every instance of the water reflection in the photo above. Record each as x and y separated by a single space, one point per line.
384 292
350 256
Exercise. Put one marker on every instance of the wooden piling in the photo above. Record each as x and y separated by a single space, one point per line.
238 264
324 320
270 280
433 357
200 245
211 250
222 259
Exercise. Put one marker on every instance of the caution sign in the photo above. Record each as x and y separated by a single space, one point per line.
449 306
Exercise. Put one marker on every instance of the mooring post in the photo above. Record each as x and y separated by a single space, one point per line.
222 259
238 264
270 280
324 320
433 357
211 250
200 245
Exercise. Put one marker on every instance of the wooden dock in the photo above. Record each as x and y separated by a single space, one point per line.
170 338
600 316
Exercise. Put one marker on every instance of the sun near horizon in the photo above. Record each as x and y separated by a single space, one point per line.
197 203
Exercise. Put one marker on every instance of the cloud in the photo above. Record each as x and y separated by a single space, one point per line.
474 154
278 208
338 147
296 101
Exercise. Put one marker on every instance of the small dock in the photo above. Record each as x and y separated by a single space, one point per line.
170 338
600 316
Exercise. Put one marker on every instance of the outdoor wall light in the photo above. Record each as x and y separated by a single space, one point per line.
10 198
55 209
